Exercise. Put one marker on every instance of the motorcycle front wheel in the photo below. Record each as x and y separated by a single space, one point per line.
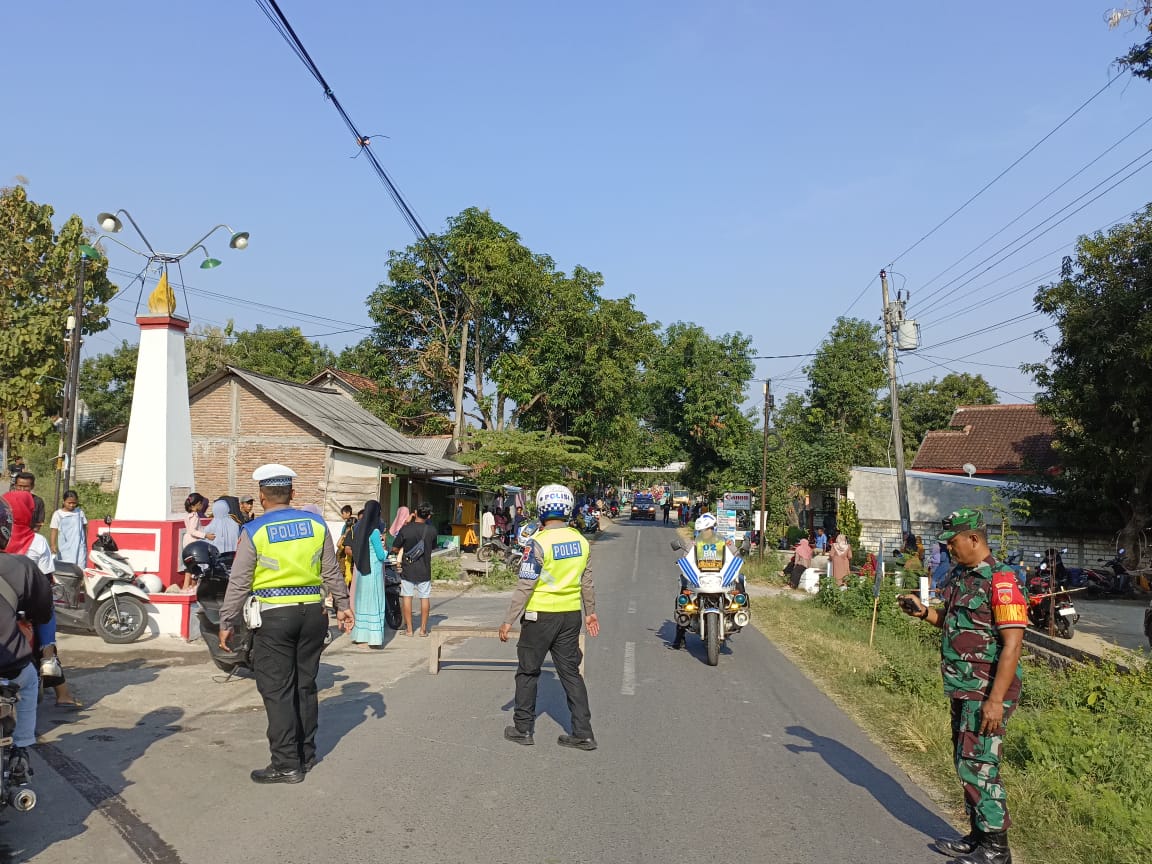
484 553
393 617
123 627
1064 627
712 638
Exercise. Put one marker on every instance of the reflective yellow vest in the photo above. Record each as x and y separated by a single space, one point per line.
565 556
289 544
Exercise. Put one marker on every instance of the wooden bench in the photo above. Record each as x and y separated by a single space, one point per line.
437 636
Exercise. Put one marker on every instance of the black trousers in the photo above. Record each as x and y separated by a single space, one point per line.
285 659
557 633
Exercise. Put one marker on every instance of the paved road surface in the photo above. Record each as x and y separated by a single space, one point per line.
746 762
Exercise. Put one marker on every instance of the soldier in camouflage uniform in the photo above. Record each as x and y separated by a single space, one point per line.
983 618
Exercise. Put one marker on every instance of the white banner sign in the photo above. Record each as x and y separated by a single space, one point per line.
737 501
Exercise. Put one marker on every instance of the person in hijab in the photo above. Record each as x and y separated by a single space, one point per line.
802 558
27 542
841 556
403 517
224 527
368 578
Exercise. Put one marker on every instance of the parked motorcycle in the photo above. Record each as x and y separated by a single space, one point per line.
14 791
106 597
496 548
717 606
1111 579
1047 597
211 570
590 522
393 616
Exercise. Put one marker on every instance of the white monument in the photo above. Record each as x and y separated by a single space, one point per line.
157 474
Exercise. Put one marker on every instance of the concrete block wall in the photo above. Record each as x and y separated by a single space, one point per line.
1082 551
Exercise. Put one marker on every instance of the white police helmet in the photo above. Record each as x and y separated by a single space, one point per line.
706 521
151 583
554 501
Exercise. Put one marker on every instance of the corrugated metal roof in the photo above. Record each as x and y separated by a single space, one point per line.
436 446
331 413
418 462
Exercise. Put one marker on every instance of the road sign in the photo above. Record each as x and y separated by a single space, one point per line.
737 501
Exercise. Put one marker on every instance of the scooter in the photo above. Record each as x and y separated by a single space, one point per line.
1111 579
590 522
211 570
14 791
106 597
495 547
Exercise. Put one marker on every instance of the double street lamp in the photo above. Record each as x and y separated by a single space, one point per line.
111 223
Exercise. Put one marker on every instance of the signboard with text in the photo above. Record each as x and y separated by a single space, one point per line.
736 501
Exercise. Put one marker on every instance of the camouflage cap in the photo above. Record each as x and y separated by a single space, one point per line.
959 521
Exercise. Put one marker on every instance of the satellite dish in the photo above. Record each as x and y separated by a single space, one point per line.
969 468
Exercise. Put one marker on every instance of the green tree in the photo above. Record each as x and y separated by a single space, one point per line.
1095 386
1138 59
453 304
527 459
929 405
38 278
835 424
695 385
106 380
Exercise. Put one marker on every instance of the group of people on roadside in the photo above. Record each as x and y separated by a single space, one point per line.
839 554
222 528
363 550
501 523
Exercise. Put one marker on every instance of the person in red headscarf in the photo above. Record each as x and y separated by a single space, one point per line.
25 541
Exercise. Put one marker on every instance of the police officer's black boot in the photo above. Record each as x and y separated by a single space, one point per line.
956 846
519 736
678 639
993 849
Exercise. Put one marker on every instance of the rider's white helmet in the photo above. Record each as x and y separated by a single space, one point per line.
554 501
705 522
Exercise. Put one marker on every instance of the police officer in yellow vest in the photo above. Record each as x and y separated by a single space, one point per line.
284 559
554 584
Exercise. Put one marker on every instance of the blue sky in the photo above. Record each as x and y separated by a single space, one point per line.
745 165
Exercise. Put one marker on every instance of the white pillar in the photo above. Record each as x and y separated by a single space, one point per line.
157 474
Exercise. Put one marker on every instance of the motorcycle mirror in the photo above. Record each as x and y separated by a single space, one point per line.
678 544
108 521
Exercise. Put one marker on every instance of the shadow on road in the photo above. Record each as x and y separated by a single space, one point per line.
57 820
93 685
879 784
693 644
550 701
344 711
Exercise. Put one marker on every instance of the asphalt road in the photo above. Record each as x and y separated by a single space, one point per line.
745 762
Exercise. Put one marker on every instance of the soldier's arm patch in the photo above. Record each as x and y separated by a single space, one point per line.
1008 606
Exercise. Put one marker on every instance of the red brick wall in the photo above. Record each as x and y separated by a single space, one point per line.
235 430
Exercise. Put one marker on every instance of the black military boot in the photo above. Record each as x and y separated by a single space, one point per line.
993 849
678 639
954 847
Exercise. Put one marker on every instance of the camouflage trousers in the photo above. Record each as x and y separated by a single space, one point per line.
977 759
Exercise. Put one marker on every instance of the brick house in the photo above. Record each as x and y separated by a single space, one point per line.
1002 442
342 453
348 383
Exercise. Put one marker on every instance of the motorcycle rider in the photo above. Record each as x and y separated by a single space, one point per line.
24 590
707 545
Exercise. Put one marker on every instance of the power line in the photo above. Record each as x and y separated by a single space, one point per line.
996 179
1025 245
1024 213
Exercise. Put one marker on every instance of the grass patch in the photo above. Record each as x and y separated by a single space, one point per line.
766 571
1077 754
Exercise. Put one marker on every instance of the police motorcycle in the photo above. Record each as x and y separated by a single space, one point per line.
106 597
14 792
211 569
712 602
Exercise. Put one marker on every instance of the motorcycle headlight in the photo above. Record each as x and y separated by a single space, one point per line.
740 599
682 600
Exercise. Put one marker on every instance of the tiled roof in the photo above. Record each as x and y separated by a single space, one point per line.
356 382
997 439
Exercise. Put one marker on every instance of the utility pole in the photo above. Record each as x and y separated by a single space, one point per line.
764 469
72 388
893 315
